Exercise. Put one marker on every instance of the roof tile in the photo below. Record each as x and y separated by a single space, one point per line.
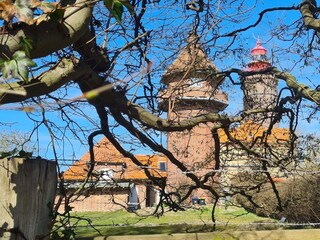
108 157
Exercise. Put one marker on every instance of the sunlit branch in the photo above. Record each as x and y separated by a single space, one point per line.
49 36
300 89
308 9
65 71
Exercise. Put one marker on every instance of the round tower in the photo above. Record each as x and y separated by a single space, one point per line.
190 89
261 89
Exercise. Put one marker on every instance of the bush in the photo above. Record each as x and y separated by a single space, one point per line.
300 199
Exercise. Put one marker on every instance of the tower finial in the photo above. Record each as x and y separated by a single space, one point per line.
258 40
193 37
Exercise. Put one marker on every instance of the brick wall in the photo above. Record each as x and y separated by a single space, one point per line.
99 201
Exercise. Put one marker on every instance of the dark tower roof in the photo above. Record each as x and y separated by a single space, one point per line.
191 59
191 81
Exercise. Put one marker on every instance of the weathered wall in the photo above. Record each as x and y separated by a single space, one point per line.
28 187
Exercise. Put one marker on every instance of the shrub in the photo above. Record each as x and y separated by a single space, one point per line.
300 199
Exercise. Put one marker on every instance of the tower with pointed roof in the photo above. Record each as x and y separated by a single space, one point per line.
261 89
191 89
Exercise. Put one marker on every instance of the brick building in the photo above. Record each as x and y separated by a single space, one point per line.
258 144
260 89
115 182
190 88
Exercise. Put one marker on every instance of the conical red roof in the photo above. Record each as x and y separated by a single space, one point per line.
259 49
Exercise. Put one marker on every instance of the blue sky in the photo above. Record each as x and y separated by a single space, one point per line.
74 149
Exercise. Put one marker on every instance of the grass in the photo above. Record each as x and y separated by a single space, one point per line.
196 216
192 220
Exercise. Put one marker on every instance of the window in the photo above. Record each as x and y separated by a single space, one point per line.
162 166
260 57
196 82
106 174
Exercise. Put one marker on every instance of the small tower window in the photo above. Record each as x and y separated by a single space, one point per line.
162 166
259 57
196 82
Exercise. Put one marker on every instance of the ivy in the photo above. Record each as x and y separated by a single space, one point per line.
116 8
17 67
23 9
26 45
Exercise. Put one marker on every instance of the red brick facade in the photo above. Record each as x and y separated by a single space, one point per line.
115 182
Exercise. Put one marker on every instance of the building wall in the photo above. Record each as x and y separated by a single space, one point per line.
235 160
111 200
98 201
260 91
191 147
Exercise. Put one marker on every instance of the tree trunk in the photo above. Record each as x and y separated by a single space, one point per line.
27 188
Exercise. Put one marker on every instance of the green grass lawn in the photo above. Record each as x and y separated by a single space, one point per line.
190 216
192 220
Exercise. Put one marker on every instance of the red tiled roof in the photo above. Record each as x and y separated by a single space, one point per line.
108 157
249 131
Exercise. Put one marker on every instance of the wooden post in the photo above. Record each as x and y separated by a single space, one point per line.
27 191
